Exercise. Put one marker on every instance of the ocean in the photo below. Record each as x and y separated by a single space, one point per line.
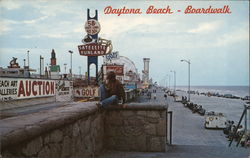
240 91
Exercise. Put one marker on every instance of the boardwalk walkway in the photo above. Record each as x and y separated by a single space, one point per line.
190 138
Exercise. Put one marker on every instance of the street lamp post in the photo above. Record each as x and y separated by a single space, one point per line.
65 68
188 61
28 58
169 77
174 81
71 52
80 71
41 65
166 80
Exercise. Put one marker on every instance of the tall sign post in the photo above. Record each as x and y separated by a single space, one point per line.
92 28
92 45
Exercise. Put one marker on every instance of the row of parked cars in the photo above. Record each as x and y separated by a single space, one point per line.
220 95
195 108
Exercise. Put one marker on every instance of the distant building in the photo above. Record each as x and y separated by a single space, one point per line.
118 69
125 70
14 70
145 72
54 68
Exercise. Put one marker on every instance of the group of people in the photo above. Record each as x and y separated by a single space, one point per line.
237 134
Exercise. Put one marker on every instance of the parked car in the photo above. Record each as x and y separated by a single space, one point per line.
191 92
215 120
228 95
246 98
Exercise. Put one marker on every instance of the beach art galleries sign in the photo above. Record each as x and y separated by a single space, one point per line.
16 88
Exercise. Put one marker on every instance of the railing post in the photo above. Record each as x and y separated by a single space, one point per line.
166 127
170 125
244 111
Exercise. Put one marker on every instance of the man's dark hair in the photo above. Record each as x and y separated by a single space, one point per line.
111 76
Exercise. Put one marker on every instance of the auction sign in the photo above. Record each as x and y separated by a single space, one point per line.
19 88
86 92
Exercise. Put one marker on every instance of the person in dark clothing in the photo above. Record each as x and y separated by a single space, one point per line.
112 91
165 95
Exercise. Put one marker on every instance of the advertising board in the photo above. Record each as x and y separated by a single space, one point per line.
86 92
64 90
92 27
93 49
118 69
19 88
111 56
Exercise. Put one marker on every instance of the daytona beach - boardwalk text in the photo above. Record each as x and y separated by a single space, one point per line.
167 10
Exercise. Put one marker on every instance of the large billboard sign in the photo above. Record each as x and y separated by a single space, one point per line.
92 44
118 69
18 88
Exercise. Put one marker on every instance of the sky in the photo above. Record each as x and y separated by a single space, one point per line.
217 45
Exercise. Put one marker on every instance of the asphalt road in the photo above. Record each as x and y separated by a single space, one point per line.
188 128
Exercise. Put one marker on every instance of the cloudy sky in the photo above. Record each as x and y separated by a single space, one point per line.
216 44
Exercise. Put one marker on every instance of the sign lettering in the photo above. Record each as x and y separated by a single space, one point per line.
92 49
12 89
92 27
86 92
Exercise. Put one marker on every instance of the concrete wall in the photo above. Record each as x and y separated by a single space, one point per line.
136 129
83 130
72 131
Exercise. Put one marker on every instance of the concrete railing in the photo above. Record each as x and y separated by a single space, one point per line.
83 130
138 127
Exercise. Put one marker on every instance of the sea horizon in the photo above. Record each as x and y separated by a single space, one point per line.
240 91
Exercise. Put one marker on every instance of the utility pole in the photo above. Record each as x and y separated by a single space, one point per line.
71 52
65 67
41 66
28 58
174 81
188 61
80 71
